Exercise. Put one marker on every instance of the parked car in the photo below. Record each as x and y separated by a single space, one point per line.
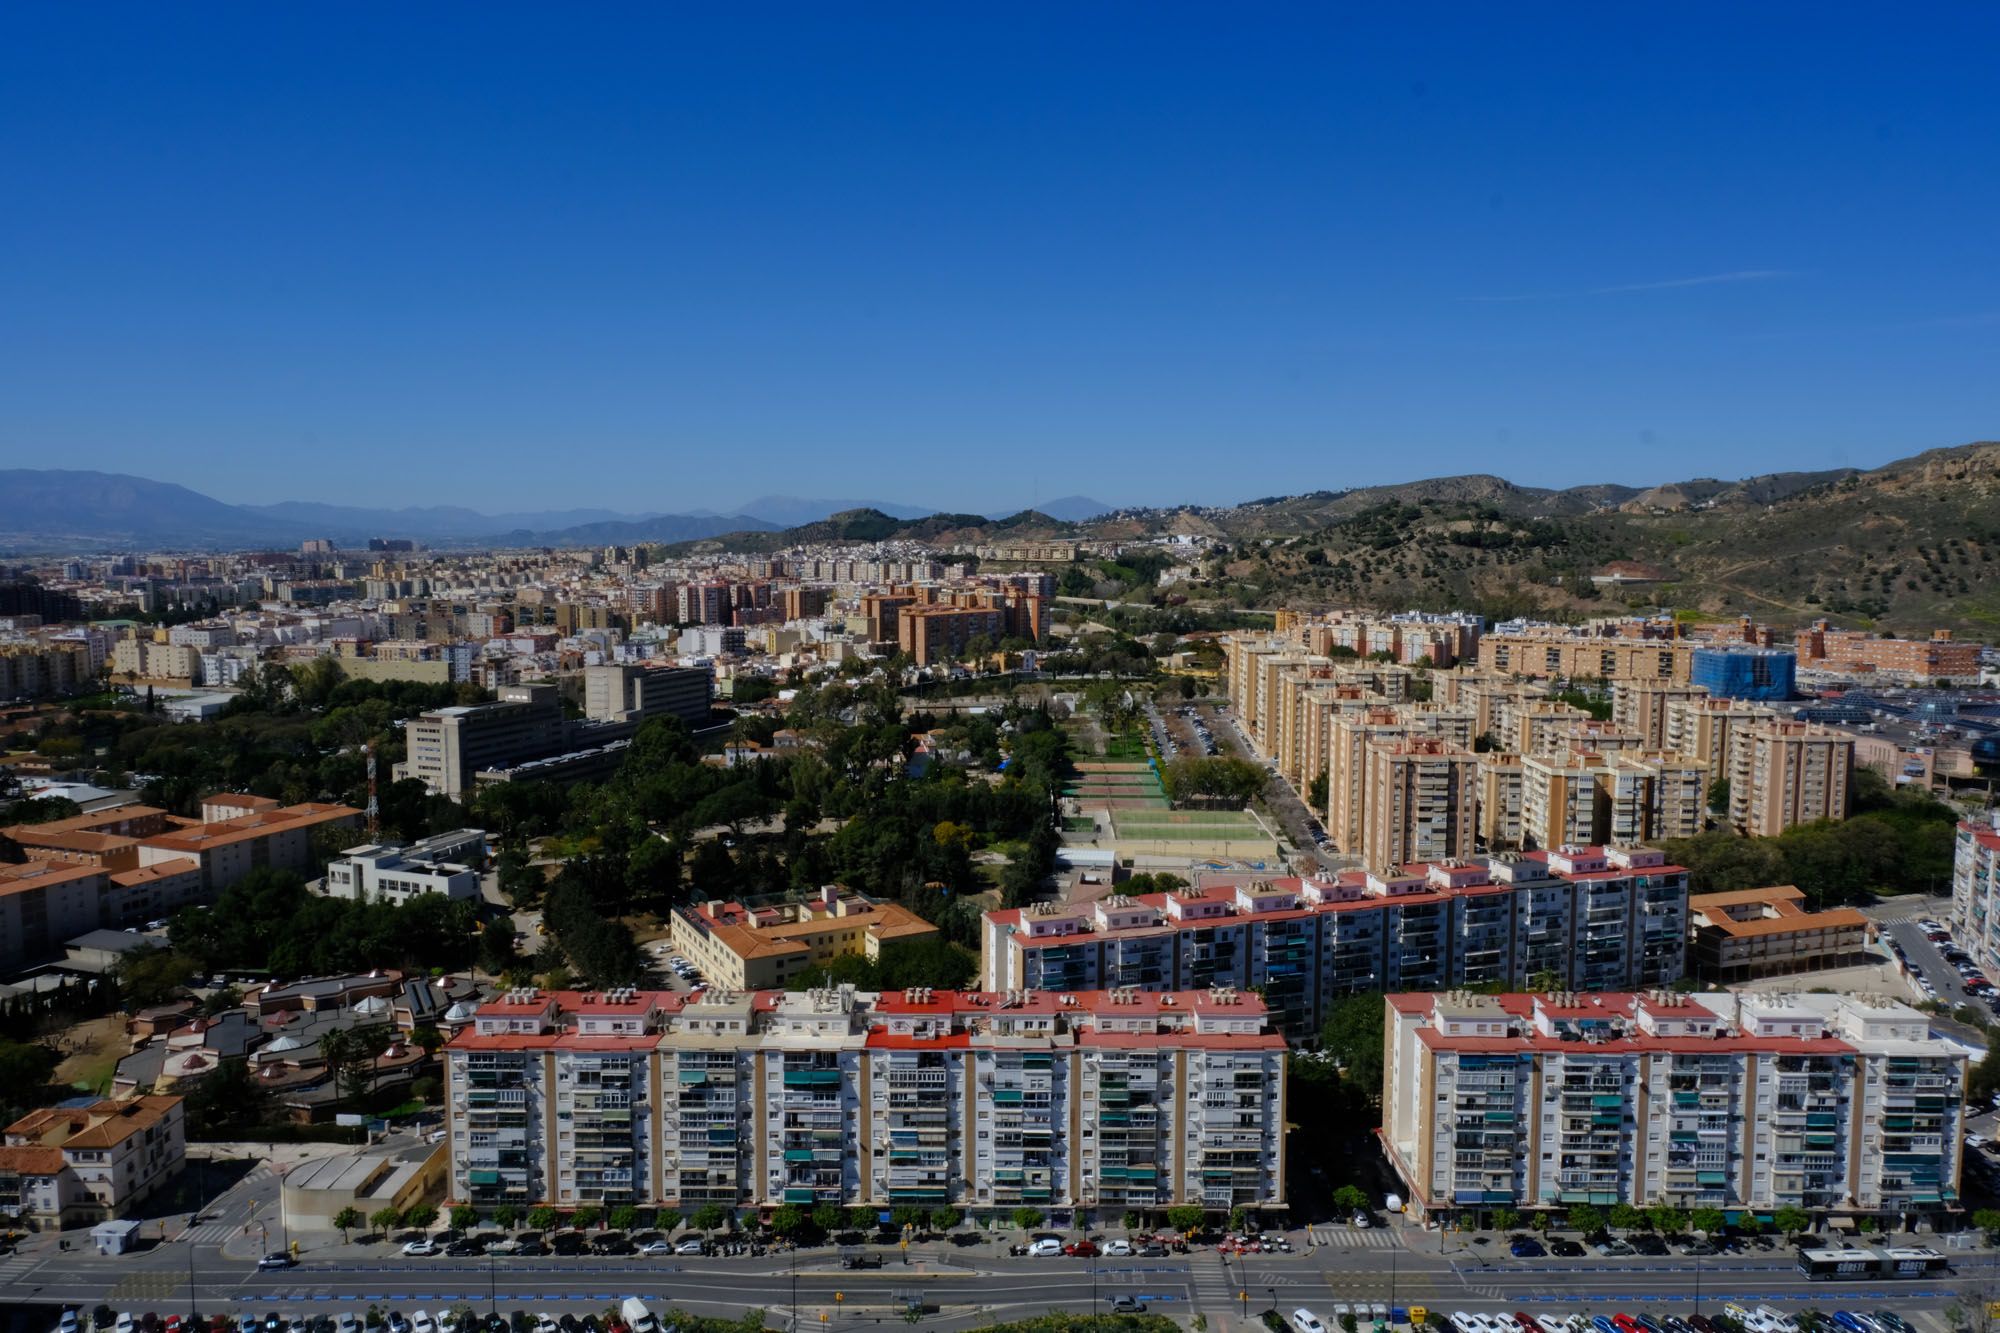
689 1245
1127 1305
1044 1248
1564 1248
1082 1249
655 1248
1526 1247
420 1249
1117 1248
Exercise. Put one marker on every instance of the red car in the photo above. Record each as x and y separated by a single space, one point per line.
1527 1322
1627 1324
1081 1249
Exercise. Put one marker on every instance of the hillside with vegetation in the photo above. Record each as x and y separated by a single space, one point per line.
1906 547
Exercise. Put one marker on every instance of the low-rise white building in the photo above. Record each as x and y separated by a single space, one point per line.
444 863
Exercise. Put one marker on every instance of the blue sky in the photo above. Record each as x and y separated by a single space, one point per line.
668 257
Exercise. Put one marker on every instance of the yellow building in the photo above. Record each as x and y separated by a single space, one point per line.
738 947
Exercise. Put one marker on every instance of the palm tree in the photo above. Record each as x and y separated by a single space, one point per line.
338 1051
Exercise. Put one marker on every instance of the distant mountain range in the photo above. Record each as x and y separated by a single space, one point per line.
59 510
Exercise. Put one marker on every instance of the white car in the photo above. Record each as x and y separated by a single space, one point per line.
420 1249
1045 1248
66 1323
1117 1248
124 1323
689 1245
1551 1323
1305 1321
1361 1221
1778 1320
1466 1322
421 1322
347 1323
656 1248
546 1324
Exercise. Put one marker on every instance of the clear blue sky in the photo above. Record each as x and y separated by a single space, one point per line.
649 257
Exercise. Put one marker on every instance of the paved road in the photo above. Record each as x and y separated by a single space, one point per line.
1284 804
958 1296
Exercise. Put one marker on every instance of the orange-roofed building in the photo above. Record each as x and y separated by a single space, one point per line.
79 1165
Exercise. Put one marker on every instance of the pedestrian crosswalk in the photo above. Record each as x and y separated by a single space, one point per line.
1214 1290
1354 1238
211 1233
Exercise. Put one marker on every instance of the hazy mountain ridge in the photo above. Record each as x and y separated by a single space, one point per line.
1911 544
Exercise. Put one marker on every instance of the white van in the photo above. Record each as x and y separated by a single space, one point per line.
638 1317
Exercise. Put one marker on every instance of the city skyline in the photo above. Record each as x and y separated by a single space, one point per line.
988 257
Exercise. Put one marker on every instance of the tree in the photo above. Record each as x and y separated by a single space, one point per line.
586 1217
420 1216
1350 1199
464 1217
346 1220
1624 1217
497 954
1587 1219
1666 1219
338 1052
1791 1219
505 1216
1988 1221
788 1220
1718 794
1708 1221
826 1218
541 1218
624 1217
1316 794
385 1220
708 1217
1027 1218
1186 1218
860 1219
1352 1036
944 1219
1505 1219
1546 982
149 976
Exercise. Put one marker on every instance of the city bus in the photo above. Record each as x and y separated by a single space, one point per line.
1900 1262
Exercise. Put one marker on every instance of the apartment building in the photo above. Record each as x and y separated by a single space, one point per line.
1751 933
1093 1102
928 633
131 864
633 692
1420 804
1841 1105
1706 729
1641 707
1584 796
1566 656
1499 808
1975 881
1347 747
79 1165
760 947
1591 916
1786 773
1940 657
40 667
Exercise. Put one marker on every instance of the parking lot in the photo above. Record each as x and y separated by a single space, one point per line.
1938 967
